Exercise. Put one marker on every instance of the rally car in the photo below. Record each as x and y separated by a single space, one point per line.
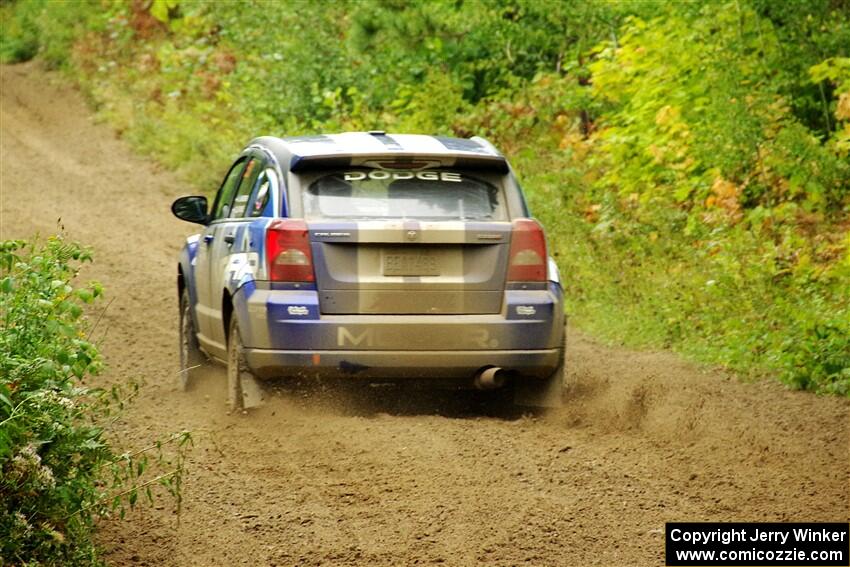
385 258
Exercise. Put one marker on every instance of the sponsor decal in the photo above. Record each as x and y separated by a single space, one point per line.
371 337
481 338
241 267
331 234
346 337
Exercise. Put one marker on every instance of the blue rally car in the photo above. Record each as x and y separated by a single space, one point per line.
383 258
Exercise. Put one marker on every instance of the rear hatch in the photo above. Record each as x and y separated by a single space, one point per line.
396 241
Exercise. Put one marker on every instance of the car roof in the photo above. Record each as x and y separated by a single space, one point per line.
303 153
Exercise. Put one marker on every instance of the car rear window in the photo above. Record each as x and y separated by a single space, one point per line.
437 194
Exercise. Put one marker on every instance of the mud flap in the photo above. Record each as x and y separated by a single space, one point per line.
253 395
243 390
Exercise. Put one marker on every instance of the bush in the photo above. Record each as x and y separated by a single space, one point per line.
58 469
35 27
19 36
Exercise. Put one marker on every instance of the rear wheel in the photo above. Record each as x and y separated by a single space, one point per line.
243 389
192 359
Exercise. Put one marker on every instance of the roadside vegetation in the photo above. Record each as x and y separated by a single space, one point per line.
690 160
60 465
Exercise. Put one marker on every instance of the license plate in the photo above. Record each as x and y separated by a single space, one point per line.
410 264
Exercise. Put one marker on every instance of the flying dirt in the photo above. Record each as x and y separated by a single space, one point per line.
341 475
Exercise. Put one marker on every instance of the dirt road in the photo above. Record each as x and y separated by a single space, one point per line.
353 477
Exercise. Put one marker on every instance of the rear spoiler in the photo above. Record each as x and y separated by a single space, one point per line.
478 162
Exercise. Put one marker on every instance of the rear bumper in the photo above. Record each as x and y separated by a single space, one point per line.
291 320
386 364
286 335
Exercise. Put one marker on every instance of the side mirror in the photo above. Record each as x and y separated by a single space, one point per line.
192 209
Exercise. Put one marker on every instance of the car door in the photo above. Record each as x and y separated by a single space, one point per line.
208 307
224 245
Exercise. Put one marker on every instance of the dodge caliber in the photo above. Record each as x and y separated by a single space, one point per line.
384 258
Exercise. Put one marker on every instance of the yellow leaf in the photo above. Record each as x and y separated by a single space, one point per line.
666 114
843 110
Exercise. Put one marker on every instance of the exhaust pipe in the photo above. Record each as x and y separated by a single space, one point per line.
489 378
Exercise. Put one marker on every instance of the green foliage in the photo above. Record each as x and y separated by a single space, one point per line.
58 468
695 115
31 27
19 34
807 31
162 10
691 160
723 214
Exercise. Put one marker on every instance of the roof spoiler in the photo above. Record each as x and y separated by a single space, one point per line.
477 162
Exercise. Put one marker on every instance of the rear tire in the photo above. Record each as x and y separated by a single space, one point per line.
243 389
192 360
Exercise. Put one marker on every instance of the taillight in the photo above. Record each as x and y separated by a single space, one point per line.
288 251
528 260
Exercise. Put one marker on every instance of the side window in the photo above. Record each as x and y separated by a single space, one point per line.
225 194
262 193
246 186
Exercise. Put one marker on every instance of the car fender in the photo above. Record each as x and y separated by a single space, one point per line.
240 284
